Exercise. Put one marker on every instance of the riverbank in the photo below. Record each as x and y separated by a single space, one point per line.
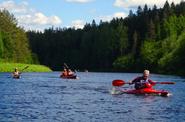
9 67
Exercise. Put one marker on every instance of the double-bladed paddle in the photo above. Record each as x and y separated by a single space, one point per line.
24 68
119 82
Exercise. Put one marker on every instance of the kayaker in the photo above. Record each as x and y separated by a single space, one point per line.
16 73
65 73
143 81
70 73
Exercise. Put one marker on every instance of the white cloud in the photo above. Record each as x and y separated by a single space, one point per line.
55 20
120 14
11 6
110 17
28 17
79 1
78 24
39 18
136 3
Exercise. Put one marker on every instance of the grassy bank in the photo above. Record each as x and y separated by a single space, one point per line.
9 67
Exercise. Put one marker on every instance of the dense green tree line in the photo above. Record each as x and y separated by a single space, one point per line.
94 47
151 38
14 45
157 35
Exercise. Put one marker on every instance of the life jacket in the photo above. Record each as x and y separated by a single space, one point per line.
141 83
65 73
16 73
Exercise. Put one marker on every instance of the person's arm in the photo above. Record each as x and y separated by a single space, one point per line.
152 82
133 81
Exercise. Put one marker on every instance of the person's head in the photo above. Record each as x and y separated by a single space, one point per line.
16 69
65 69
146 74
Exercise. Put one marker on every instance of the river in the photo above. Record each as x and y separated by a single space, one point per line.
44 97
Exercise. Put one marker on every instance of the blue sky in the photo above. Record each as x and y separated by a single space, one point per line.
41 14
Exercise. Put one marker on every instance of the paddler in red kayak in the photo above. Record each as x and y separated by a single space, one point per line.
70 73
64 73
67 72
143 81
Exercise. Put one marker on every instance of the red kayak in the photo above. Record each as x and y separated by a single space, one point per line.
145 91
69 77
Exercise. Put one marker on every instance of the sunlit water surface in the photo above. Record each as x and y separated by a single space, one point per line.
44 97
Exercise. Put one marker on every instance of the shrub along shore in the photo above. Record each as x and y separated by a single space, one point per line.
9 67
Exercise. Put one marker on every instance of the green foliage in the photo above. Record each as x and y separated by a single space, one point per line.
9 67
124 63
6 47
121 33
13 40
150 53
151 38
174 25
173 62
1 45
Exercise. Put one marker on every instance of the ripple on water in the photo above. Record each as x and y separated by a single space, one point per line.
45 97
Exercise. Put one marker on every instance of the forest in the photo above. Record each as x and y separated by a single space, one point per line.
14 44
149 38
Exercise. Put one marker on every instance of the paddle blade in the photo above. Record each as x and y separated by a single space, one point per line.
166 82
118 82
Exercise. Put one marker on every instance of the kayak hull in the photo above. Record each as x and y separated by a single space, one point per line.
146 91
16 76
68 77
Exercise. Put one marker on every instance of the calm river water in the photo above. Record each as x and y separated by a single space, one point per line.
44 97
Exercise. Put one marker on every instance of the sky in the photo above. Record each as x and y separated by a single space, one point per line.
42 14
